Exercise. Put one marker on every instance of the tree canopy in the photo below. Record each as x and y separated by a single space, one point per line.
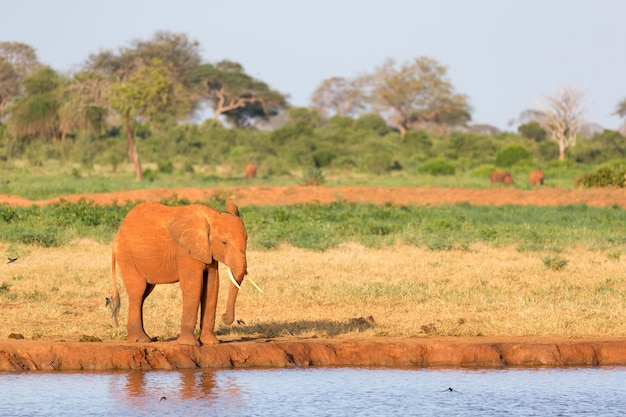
417 95
232 93
338 96
17 60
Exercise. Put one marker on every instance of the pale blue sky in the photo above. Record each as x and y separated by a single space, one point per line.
504 54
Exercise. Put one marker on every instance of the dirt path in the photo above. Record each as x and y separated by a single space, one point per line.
256 195
21 355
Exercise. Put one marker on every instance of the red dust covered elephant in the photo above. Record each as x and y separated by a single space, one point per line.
501 177
158 244
536 177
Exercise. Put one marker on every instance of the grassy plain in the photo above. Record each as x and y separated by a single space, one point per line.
338 270
58 293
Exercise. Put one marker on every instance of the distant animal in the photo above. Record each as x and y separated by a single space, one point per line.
501 176
536 177
251 170
11 260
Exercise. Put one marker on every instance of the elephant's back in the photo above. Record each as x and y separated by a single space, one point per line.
145 220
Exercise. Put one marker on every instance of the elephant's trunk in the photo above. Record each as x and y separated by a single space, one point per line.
229 315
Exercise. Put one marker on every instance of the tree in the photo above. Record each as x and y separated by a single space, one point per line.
17 60
561 116
147 94
84 103
36 111
621 112
151 80
418 94
338 96
231 92
621 109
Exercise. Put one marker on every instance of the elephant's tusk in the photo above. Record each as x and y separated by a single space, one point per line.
254 283
232 278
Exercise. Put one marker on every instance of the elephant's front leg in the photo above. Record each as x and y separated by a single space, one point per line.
209 304
191 285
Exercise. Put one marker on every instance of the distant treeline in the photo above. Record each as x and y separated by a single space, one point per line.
366 144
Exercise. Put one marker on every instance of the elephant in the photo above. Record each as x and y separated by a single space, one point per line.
536 177
251 170
158 244
501 176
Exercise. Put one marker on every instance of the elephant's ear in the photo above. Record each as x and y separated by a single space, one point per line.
232 208
191 232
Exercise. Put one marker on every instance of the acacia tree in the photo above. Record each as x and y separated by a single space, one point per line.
148 93
417 95
232 93
338 96
561 116
17 60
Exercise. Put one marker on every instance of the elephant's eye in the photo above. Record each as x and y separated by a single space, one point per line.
224 242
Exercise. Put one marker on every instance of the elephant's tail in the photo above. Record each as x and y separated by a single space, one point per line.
114 300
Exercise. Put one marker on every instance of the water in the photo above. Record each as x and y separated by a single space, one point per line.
318 392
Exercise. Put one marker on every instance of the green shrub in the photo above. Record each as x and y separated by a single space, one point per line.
604 176
511 155
323 158
273 166
555 263
313 176
165 167
483 171
437 166
149 175
533 130
372 122
377 163
7 213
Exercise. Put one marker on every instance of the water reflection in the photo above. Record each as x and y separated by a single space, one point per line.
318 392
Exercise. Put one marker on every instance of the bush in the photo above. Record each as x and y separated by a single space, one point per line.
437 166
511 155
165 167
555 263
378 164
323 158
533 130
604 176
313 176
483 171
372 122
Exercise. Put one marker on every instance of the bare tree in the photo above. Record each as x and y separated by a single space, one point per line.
562 117
338 96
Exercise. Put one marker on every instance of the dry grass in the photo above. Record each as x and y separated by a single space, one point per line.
59 294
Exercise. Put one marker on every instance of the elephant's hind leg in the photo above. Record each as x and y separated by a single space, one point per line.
136 298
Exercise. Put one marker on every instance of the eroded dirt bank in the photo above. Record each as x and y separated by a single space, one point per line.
20 355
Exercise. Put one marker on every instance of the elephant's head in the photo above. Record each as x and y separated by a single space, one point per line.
209 235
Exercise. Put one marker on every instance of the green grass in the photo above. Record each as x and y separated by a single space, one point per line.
323 226
53 179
